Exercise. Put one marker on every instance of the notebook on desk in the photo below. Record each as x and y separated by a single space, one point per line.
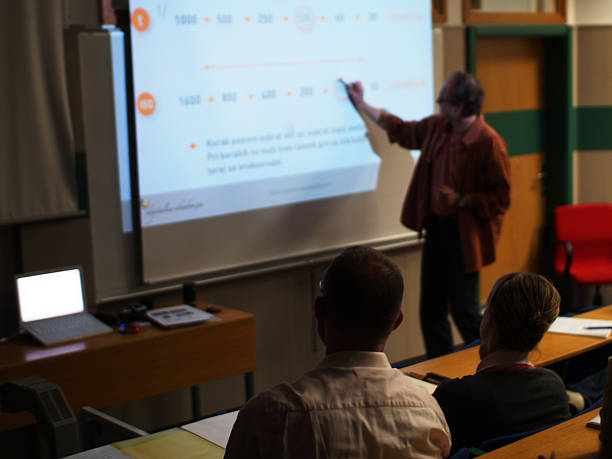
51 306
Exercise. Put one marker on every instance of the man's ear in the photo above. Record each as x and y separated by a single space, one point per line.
319 308
399 319
321 315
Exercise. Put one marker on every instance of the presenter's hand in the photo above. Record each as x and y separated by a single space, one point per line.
446 195
355 93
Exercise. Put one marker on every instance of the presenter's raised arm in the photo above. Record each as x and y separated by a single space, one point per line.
355 93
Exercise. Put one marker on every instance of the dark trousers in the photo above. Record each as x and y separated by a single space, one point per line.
444 284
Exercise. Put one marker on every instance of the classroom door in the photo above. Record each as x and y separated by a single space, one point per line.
512 72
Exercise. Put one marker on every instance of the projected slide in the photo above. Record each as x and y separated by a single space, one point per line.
238 104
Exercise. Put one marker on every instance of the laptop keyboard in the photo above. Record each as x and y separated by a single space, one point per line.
67 327
61 324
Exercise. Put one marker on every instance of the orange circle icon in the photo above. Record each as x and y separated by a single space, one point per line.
141 19
146 103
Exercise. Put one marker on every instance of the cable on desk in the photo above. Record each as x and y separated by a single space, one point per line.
15 334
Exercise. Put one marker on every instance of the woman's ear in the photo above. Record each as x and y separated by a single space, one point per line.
488 330
485 324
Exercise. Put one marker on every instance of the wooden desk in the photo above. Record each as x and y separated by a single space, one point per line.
569 440
554 347
110 369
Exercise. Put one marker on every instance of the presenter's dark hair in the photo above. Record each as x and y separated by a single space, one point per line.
523 305
466 90
363 291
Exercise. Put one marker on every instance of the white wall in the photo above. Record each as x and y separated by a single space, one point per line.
582 12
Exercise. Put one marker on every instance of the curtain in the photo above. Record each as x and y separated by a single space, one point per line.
37 153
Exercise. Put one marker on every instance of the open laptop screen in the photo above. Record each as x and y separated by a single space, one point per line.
50 294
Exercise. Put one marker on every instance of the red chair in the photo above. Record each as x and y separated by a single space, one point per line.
583 251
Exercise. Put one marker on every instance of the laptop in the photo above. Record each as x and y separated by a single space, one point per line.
52 306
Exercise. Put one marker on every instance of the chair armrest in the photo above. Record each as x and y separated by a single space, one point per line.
569 254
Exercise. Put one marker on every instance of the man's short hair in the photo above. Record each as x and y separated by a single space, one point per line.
466 90
363 291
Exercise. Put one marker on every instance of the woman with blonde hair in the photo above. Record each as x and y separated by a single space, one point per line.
508 394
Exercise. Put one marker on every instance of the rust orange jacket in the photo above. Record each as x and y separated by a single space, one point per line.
484 179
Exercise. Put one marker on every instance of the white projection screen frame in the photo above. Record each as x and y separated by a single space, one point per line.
248 151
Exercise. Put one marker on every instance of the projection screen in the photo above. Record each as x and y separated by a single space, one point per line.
248 150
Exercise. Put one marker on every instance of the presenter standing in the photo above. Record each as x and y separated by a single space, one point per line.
459 192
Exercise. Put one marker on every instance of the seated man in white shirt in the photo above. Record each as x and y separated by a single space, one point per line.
353 404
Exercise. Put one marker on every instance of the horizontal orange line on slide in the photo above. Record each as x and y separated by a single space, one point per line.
278 64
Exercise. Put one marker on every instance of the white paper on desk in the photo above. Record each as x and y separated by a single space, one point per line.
102 452
595 423
216 429
576 326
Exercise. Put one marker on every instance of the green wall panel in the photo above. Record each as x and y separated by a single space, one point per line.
522 130
594 126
